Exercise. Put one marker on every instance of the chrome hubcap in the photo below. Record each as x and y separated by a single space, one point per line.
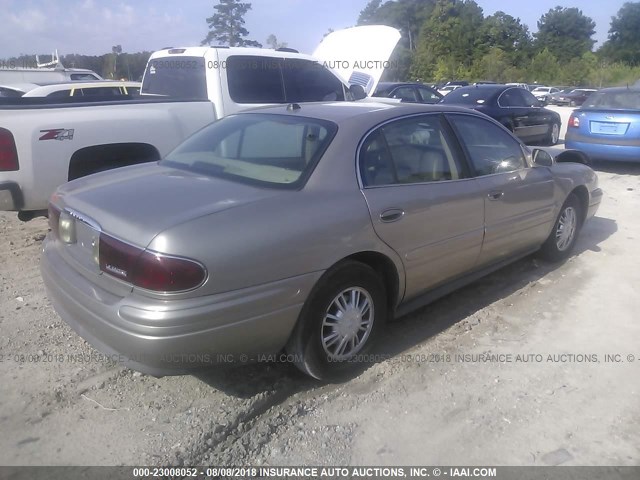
347 323
566 228
555 133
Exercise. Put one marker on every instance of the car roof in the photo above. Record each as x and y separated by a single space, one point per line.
344 112
619 89
399 84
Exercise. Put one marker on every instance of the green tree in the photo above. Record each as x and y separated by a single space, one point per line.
509 35
495 65
544 68
226 26
565 32
369 14
448 40
624 35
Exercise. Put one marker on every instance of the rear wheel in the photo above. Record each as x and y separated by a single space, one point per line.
339 322
565 231
554 134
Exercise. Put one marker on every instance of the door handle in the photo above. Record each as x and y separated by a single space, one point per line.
391 215
495 195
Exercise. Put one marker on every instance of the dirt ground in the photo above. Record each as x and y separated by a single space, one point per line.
512 370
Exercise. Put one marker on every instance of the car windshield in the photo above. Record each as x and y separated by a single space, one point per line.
260 149
473 96
625 99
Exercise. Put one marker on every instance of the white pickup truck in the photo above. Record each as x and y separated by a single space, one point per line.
45 144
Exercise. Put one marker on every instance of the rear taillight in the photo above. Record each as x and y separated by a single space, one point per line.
574 121
54 218
8 152
147 269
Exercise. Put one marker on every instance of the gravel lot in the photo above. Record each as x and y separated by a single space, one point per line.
547 396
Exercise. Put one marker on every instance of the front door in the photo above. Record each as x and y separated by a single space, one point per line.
518 197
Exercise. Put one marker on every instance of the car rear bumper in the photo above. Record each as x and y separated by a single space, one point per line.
600 151
11 198
169 337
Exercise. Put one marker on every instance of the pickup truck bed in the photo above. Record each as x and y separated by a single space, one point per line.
57 142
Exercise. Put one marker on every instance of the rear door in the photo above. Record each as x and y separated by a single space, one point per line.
422 201
516 109
518 198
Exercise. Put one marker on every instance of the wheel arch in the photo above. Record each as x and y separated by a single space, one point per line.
98 158
583 195
387 270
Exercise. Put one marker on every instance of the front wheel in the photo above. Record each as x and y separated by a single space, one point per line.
339 322
565 231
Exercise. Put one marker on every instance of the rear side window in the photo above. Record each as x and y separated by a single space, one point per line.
83 76
491 149
99 91
307 81
254 79
60 94
176 77
411 150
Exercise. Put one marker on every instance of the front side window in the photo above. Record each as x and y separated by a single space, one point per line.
261 149
512 98
410 150
490 148
429 96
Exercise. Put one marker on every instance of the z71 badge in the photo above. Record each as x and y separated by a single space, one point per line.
57 134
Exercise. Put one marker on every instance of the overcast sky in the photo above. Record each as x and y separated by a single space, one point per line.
92 27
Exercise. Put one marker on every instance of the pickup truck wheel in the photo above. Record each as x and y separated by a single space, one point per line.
564 234
554 134
339 322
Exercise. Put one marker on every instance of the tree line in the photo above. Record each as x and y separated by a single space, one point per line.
115 65
452 39
446 40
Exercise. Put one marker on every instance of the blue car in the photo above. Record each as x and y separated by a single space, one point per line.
607 126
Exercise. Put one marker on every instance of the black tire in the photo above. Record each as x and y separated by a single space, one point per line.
308 342
558 246
554 134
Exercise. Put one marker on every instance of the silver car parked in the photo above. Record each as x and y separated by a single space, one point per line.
301 227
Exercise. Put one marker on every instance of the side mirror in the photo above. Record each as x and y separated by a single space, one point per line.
542 158
357 92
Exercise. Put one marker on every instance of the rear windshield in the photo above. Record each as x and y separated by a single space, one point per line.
626 99
471 96
176 77
262 149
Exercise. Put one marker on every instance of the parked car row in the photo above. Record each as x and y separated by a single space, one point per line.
514 107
